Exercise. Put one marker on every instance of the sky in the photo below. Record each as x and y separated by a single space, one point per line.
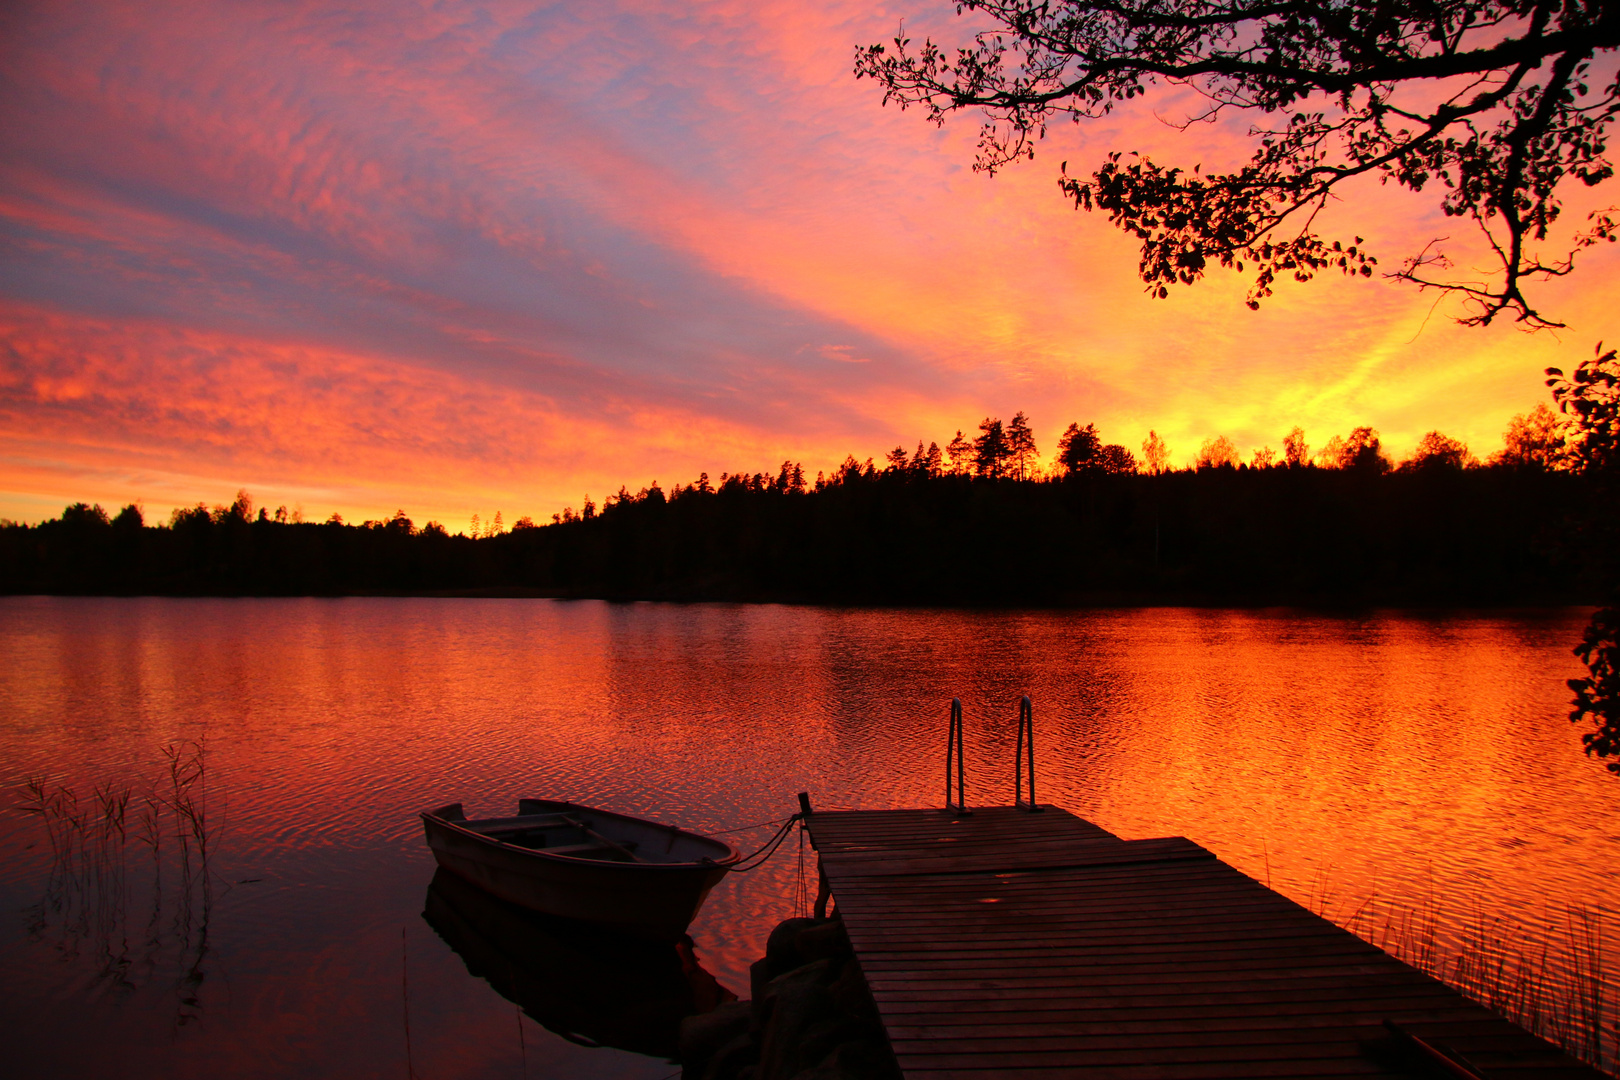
458 258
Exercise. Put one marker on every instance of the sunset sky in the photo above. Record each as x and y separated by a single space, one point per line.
456 258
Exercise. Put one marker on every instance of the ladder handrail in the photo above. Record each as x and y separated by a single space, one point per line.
953 753
1025 745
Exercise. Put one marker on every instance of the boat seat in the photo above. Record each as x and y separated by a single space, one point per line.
579 850
496 826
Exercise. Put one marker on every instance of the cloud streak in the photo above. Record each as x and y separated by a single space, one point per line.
447 255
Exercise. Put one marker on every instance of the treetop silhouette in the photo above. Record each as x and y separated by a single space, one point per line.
1490 102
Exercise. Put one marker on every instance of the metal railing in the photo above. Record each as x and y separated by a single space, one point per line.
953 755
1025 747
1023 761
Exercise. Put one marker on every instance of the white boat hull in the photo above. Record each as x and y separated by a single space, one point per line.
652 899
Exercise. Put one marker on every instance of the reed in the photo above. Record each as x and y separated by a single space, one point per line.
87 902
1546 975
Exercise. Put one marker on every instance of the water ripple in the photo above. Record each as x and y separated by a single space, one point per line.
1387 755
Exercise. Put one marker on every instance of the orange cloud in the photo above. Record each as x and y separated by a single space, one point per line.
508 255
129 410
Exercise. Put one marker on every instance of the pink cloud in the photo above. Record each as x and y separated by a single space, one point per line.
127 404
626 240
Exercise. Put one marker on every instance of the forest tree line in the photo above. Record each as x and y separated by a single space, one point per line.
1537 439
978 521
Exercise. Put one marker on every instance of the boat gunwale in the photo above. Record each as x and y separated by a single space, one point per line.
732 856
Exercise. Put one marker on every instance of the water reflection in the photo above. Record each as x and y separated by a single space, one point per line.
1371 764
587 985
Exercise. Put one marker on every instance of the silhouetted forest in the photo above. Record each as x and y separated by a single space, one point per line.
975 523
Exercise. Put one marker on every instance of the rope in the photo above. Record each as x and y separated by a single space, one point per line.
745 828
767 849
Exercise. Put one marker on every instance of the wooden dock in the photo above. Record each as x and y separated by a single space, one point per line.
1011 944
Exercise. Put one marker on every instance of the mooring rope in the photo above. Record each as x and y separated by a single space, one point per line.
744 828
767 849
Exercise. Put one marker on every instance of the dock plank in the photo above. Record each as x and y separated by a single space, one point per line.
1006 944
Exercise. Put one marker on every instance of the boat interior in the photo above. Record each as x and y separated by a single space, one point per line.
578 833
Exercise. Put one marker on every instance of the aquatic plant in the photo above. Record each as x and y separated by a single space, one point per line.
88 904
1546 975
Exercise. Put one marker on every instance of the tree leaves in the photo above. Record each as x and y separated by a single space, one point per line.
1489 99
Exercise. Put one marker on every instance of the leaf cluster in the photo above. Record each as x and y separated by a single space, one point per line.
1493 101
1590 397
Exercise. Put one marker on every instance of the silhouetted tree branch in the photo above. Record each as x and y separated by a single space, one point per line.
1590 396
1488 99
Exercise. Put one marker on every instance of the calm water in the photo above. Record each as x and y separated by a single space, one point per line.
1414 761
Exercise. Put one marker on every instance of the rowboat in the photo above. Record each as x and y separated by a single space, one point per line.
575 862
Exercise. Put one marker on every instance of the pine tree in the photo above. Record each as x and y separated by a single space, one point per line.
991 451
1021 445
1078 449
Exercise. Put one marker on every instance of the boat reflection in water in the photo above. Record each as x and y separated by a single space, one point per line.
589 985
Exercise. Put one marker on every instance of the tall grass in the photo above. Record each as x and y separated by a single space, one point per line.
1546 974
137 919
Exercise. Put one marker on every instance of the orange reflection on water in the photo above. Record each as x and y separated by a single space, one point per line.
1343 758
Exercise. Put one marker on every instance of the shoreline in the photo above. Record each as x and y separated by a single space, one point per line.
1096 602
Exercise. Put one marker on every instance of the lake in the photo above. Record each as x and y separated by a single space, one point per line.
1410 774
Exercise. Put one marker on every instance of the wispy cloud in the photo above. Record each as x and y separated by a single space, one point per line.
438 255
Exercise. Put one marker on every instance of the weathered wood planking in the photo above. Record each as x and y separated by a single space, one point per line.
1006 944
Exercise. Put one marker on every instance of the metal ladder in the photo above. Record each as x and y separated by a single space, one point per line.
1023 762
